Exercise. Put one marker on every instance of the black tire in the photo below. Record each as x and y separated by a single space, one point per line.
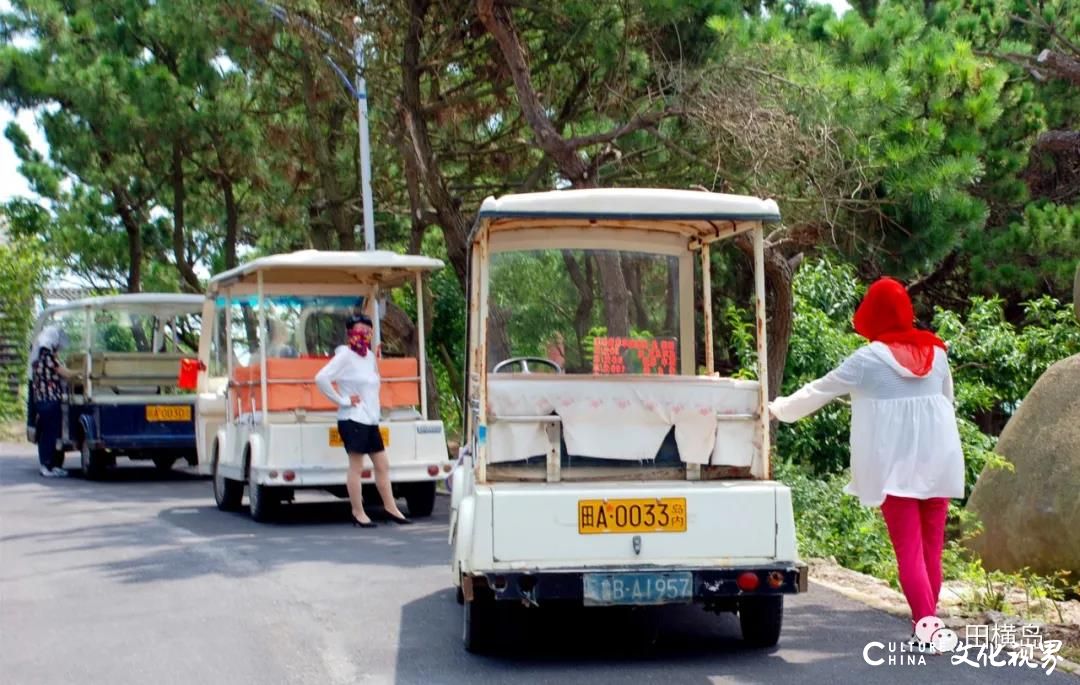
227 493
263 501
478 624
92 462
761 619
164 463
421 498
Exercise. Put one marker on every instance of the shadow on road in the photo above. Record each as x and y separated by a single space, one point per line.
601 645
189 538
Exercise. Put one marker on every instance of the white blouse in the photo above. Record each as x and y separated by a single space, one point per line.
904 438
353 375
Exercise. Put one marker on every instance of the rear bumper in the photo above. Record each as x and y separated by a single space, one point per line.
329 476
709 584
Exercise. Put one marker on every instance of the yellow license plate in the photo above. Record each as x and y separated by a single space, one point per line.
165 412
336 441
657 515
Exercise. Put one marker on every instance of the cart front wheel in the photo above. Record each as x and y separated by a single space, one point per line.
227 493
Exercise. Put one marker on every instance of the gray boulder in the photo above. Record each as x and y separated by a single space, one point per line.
1031 516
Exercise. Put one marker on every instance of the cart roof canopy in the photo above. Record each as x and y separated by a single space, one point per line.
694 213
157 304
323 266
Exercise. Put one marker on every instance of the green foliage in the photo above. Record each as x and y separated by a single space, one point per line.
829 523
22 271
994 361
1040 248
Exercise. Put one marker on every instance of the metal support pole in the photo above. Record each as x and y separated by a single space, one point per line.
421 344
706 299
762 350
229 366
262 353
365 152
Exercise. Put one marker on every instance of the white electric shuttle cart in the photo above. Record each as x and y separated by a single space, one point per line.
605 462
270 325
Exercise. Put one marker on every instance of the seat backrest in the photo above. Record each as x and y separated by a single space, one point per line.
400 385
292 384
164 368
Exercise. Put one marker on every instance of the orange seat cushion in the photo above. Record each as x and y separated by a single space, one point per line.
292 384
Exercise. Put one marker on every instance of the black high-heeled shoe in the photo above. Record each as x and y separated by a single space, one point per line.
400 521
357 523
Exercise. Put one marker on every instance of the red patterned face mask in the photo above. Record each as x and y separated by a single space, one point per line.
360 341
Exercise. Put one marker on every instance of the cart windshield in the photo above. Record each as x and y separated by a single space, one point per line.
604 312
297 326
118 329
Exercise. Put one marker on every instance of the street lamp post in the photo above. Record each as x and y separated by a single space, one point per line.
365 151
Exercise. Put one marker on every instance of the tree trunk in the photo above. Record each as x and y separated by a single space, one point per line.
419 153
133 228
671 309
616 298
232 220
565 153
583 281
631 267
333 194
179 192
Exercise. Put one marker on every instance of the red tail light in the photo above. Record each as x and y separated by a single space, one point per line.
366 473
289 476
776 579
748 581
433 470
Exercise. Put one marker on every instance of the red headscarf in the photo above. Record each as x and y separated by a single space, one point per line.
886 315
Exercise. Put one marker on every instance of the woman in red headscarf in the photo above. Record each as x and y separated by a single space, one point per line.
905 446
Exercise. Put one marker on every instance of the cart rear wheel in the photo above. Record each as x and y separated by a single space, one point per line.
164 463
421 498
227 493
761 619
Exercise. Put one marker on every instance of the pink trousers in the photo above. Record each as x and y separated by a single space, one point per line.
917 530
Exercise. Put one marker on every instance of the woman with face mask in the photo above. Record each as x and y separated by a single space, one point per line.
48 382
351 380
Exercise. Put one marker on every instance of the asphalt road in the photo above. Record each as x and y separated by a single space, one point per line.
141 580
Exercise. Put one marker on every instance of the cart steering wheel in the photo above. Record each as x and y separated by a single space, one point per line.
524 362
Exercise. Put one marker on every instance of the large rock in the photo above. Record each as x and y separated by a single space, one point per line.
1031 517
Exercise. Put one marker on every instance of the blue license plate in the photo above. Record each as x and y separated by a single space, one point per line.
609 589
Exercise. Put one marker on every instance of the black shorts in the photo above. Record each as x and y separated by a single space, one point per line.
360 438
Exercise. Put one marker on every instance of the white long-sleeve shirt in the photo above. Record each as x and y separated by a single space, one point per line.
904 438
353 375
